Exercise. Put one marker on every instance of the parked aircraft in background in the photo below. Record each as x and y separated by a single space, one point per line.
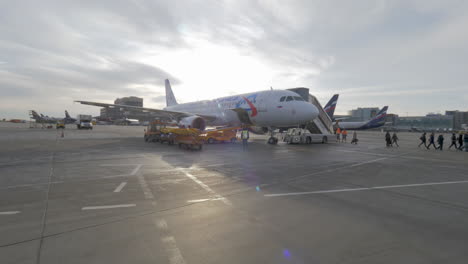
377 121
331 105
40 118
271 108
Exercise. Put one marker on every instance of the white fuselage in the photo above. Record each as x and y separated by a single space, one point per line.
272 108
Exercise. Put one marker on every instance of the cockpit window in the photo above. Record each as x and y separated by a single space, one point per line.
289 98
298 98
282 99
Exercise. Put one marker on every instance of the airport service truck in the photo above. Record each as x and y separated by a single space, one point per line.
303 136
84 122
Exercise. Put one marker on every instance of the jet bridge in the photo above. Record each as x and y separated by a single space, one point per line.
323 123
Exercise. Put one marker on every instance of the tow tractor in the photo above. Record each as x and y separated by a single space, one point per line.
303 136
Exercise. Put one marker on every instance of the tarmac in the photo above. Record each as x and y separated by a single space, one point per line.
106 196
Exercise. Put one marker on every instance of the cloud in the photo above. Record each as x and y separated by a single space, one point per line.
57 51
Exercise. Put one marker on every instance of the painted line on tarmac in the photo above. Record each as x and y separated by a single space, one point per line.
107 206
362 152
169 243
367 188
205 200
143 184
369 161
206 187
10 213
120 187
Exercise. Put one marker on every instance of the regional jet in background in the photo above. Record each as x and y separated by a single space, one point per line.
377 121
271 109
331 105
40 118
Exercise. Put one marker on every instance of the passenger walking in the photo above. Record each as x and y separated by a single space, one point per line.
395 139
354 140
245 138
344 134
338 132
431 141
423 140
388 139
454 141
440 141
460 141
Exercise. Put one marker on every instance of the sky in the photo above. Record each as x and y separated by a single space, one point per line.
409 54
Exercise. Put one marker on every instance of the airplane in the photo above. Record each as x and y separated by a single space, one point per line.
331 105
68 119
377 121
270 108
52 120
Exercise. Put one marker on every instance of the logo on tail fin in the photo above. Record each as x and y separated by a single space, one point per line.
331 105
380 116
170 98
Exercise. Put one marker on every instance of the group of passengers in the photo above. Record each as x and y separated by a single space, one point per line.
440 141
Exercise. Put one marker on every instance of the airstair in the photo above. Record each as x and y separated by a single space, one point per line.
321 125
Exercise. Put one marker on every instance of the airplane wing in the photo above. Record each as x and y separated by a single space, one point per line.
162 113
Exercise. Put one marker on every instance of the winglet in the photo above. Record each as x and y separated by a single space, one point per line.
170 98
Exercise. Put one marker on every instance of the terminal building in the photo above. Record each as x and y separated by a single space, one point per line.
112 114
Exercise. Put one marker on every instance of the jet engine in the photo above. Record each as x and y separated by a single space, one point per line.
258 130
193 122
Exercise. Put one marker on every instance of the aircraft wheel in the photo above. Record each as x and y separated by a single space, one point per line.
272 141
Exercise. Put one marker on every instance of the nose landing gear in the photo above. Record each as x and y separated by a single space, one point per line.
273 140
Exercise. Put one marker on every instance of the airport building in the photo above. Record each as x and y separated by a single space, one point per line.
428 122
108 113
460 118
362 114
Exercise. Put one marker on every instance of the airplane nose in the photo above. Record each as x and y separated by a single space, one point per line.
310 112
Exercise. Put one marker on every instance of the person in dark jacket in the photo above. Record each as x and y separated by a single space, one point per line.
423 140
431 141
395 139
460 141
388 139
454 141
440 141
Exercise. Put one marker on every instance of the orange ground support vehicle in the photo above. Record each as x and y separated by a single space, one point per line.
221 135
188 138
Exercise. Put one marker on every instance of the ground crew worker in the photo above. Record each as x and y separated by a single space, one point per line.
431 141
440 141
245 138
395 139
454 141
354 140
460 141
338 132
388 139
344 134
423 140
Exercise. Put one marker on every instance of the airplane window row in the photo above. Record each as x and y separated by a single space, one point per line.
291 98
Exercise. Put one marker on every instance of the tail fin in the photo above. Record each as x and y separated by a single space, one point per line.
380 116
66 114
35 115
170 98
331 105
